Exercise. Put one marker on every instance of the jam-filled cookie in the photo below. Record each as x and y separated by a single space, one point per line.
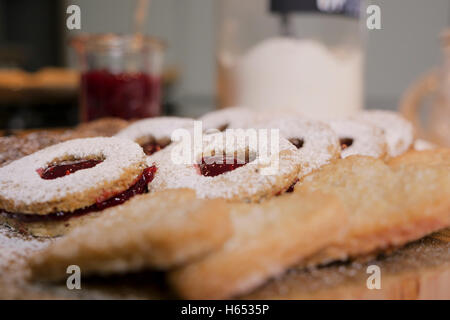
315 142
399 132
228 118
154 134
356 137
229 165
58 187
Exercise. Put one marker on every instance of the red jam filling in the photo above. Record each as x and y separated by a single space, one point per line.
345 143
216 165
66 168
139 187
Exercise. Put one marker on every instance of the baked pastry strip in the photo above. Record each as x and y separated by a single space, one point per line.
388 205
268 238
158 230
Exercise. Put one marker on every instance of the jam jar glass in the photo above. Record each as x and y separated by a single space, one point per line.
120 75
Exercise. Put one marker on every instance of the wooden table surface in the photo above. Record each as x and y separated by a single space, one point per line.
420 270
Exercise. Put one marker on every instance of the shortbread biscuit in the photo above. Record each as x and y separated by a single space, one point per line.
268 238
359 138
436 157
399 132
154 134
228 166
388 206
157 231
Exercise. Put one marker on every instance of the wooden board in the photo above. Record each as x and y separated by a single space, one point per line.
420 270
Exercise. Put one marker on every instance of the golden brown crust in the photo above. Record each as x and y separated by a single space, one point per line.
158 230
440 156
388 206
73 201
268 238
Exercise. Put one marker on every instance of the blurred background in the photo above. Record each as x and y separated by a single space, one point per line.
201 40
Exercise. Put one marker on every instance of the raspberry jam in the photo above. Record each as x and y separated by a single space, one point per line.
139 187
216 165
345 143
123 95
66 168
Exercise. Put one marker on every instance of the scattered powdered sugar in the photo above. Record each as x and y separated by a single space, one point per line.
21 183
158 128
15 250
320 142
398 131
245 182
368 140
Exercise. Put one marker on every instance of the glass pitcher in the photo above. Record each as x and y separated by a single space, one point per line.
427 102
120 75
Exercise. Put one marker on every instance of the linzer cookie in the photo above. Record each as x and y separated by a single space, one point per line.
43 192
315 142
155 134
155 230
229 118
399 132
229 165
359 138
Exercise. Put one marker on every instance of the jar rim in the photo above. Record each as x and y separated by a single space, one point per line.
114 41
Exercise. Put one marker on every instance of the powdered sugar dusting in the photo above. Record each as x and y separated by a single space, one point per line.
368 140
320 142
21 183
233 118
158 128
398 131
15 250
420 145
243 182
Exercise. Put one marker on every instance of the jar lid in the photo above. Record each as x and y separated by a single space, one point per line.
349 8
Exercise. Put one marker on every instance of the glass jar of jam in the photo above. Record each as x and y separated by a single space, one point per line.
120 75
